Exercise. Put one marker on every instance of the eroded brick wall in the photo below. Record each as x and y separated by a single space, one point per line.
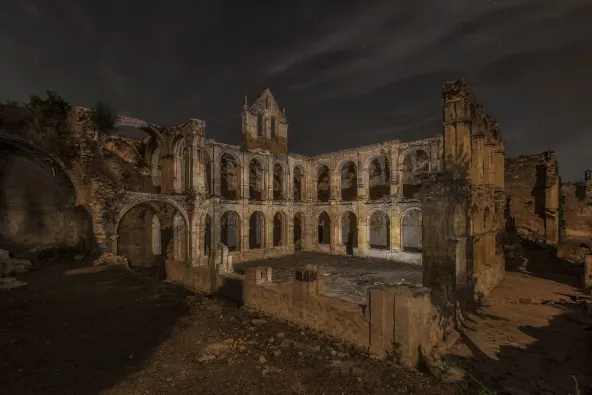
37 204
532 189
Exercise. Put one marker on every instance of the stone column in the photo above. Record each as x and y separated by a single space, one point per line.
395 231
334 190
363 186
498 171
195 169
167 174
394 176
268 232
216 176
289 232
244 234
363 239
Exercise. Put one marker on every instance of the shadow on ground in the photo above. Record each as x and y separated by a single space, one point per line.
532 336
79 330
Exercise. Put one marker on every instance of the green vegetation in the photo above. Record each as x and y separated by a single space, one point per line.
104 117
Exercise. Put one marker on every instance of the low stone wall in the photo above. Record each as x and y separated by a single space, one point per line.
398 321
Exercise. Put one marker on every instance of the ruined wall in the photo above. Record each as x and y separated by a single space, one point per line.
398 322
532 187
265 125
463 205
37 203
577 212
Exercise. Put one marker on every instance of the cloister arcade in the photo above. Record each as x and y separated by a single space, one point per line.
355 202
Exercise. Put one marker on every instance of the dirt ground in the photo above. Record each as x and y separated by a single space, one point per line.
345 277
533 334
82 330
75 329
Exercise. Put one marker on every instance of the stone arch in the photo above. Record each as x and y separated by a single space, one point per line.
154 199
257 184
414 163
323 183
298 231
379 229
349 231
348 180
41 203
324 228
230 175
377 171
230 229
280 229
257 226
136 230
279 176
411 230
299 182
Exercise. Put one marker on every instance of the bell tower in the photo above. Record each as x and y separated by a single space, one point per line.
265 125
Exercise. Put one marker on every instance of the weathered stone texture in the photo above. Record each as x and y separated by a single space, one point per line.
532 187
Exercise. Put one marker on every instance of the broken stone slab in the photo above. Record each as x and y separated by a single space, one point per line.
11 282
110 258
14 266
4 254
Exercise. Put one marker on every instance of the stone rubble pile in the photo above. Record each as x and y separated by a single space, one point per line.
11 266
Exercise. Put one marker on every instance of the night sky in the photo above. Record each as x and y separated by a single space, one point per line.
348 73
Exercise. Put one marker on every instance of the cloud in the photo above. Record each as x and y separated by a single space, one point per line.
458 34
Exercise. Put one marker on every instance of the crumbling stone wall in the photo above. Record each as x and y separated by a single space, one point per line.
37 203
577 211
533 191
463 206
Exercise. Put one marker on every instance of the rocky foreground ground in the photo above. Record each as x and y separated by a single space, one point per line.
78 329
87 330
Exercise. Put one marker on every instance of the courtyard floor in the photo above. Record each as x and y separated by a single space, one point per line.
346 277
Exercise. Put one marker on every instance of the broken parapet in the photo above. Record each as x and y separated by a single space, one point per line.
258 275
404 324
221 259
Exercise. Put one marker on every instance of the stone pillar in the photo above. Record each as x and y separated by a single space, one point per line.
268 232
289 229
395 231
394 176
245 181
244 234
363 239
499 167
167 174
216 176
488 176
461 248
195 181
363 187
335 191
551 211
194 247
